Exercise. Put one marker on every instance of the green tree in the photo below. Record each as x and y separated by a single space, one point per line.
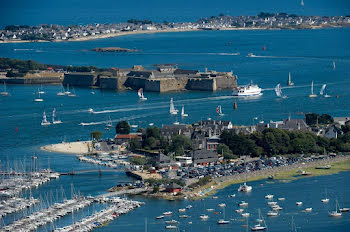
225 151
152 132
96 135
122 127
135 144
180 144
138 160
345 128
150 143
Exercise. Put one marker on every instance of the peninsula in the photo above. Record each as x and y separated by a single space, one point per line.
262 21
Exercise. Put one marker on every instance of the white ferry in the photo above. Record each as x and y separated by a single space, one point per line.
247 90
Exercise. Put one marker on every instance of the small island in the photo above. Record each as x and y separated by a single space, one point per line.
114 49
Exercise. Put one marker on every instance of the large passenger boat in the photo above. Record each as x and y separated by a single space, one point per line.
247 90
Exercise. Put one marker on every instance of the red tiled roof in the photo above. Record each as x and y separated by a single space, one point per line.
127 136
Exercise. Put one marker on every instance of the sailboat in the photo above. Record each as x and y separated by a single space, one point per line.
278 91
4 93
245 188
335 213
62 92
183 112
219 111
323 91
67 91
44 122
109 123
259 227
223 221
294 227
290 83
54 121
172 109
325 200
333 65
312 90
141 96
38 99
71 94
302 3
41 90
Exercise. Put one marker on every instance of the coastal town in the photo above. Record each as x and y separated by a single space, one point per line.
264 20
192 161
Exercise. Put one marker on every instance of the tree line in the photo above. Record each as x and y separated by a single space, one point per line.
272 142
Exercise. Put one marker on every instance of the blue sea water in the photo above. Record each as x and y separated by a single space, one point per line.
307 54
66 12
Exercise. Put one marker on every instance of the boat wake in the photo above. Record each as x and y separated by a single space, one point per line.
23 49
159 105
119 119
191 53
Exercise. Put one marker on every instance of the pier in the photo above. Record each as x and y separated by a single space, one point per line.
99 171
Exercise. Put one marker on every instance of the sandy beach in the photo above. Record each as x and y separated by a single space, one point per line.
111 35
77 148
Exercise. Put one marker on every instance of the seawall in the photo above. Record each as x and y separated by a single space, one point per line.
80 79
151 84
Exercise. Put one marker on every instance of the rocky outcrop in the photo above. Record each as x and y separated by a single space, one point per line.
114 49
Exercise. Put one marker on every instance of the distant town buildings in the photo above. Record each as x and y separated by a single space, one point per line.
55 32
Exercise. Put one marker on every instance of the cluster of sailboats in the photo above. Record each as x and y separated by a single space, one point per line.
45 122
66 92
12 185
323 90
174 111
15 204
119 206
260 224
112 163
48 215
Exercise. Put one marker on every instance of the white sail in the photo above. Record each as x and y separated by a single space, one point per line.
302 3
183 112
290 83
54 121
278 90
333 65
312 88
53 114
140 93
172 109
322 91
4 93
44 117
219 111
44 122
